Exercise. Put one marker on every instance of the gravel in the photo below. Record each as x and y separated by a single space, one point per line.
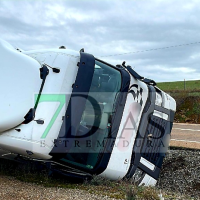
181 173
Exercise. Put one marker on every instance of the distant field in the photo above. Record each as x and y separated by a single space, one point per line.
179 85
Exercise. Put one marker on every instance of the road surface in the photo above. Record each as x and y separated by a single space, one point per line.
185 135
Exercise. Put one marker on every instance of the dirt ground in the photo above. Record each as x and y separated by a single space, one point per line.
13 189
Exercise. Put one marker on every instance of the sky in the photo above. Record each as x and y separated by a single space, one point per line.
107 28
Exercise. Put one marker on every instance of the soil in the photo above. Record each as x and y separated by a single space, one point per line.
188 109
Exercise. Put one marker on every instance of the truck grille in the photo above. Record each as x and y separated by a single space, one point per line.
155 144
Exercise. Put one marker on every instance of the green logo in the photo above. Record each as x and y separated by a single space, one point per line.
61 98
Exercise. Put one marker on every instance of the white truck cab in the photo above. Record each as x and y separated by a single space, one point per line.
82 115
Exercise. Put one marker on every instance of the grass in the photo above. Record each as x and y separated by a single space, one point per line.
179 86
98 185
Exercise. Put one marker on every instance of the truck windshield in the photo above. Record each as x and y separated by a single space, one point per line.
99 109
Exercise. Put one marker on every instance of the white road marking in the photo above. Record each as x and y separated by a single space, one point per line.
185 141
185 129
190 127
184 124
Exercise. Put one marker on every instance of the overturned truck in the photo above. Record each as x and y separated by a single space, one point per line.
82 115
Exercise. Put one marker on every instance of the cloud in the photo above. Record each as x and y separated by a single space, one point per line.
108 27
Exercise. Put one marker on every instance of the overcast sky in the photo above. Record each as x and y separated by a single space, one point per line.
107 27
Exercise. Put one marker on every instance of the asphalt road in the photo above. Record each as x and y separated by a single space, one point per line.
186 135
